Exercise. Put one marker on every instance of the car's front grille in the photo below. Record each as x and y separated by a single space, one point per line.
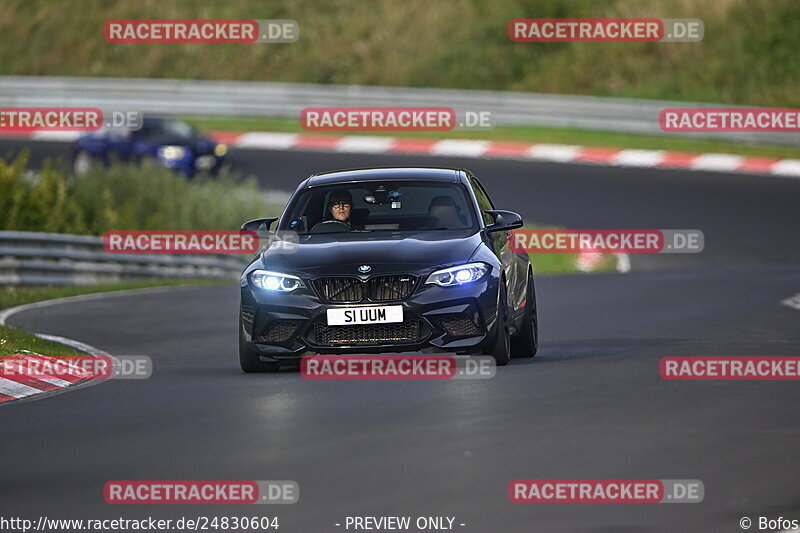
278 331
382 288
457 325
398 332
376 288
340 289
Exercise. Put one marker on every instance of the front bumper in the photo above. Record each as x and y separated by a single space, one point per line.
453 320
191 163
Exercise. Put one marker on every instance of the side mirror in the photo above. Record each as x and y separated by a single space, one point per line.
504 221
259 225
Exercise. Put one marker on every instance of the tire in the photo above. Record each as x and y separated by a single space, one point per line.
82 163
501 351
249 359
526 342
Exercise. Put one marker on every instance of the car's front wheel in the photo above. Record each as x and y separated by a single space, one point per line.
526 342
249 359
82 163
501 350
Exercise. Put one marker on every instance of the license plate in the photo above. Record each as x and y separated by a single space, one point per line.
365 315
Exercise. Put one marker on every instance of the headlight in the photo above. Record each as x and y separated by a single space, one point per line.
220 150
171 152
275 281
458 275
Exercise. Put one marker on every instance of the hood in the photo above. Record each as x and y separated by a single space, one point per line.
384 252
199 144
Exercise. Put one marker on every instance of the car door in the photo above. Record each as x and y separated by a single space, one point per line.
119 145
514 268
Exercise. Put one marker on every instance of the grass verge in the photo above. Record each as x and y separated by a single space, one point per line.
567 263
526 134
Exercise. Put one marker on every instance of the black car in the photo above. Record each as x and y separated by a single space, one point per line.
387 260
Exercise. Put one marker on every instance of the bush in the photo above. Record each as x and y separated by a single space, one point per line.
123 197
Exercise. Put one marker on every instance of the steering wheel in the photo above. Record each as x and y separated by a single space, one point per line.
330 226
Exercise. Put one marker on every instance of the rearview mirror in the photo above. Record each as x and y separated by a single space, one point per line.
504 220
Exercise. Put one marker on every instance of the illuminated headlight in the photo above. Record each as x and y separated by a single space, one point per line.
458 275
171 153
220 150
275 281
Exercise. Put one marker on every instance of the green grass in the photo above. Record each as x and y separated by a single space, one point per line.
551 264
749 54
564 263
14 340
526 134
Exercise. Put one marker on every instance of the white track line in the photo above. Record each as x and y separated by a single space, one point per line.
623 262
792 301
553 152
5 314
786 167
460 148
364 144
638 158
717 162
18 390
268 140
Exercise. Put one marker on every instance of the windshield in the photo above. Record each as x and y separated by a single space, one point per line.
169 127
379 206
177 128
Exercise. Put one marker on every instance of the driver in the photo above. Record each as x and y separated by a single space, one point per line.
340 205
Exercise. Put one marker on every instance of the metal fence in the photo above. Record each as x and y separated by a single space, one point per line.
224 98
34 258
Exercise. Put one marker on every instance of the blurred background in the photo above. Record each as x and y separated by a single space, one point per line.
749 55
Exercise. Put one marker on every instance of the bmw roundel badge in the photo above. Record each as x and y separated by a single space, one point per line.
364 269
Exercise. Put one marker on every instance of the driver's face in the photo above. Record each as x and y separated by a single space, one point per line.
340 211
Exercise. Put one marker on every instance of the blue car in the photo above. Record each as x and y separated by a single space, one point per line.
168 141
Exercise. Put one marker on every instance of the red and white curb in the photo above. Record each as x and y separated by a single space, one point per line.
22 382
792 301
558 153
17 389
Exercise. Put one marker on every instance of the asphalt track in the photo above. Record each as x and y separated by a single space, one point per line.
590 405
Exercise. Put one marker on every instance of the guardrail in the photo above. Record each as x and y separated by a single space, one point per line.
226 98
34 258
